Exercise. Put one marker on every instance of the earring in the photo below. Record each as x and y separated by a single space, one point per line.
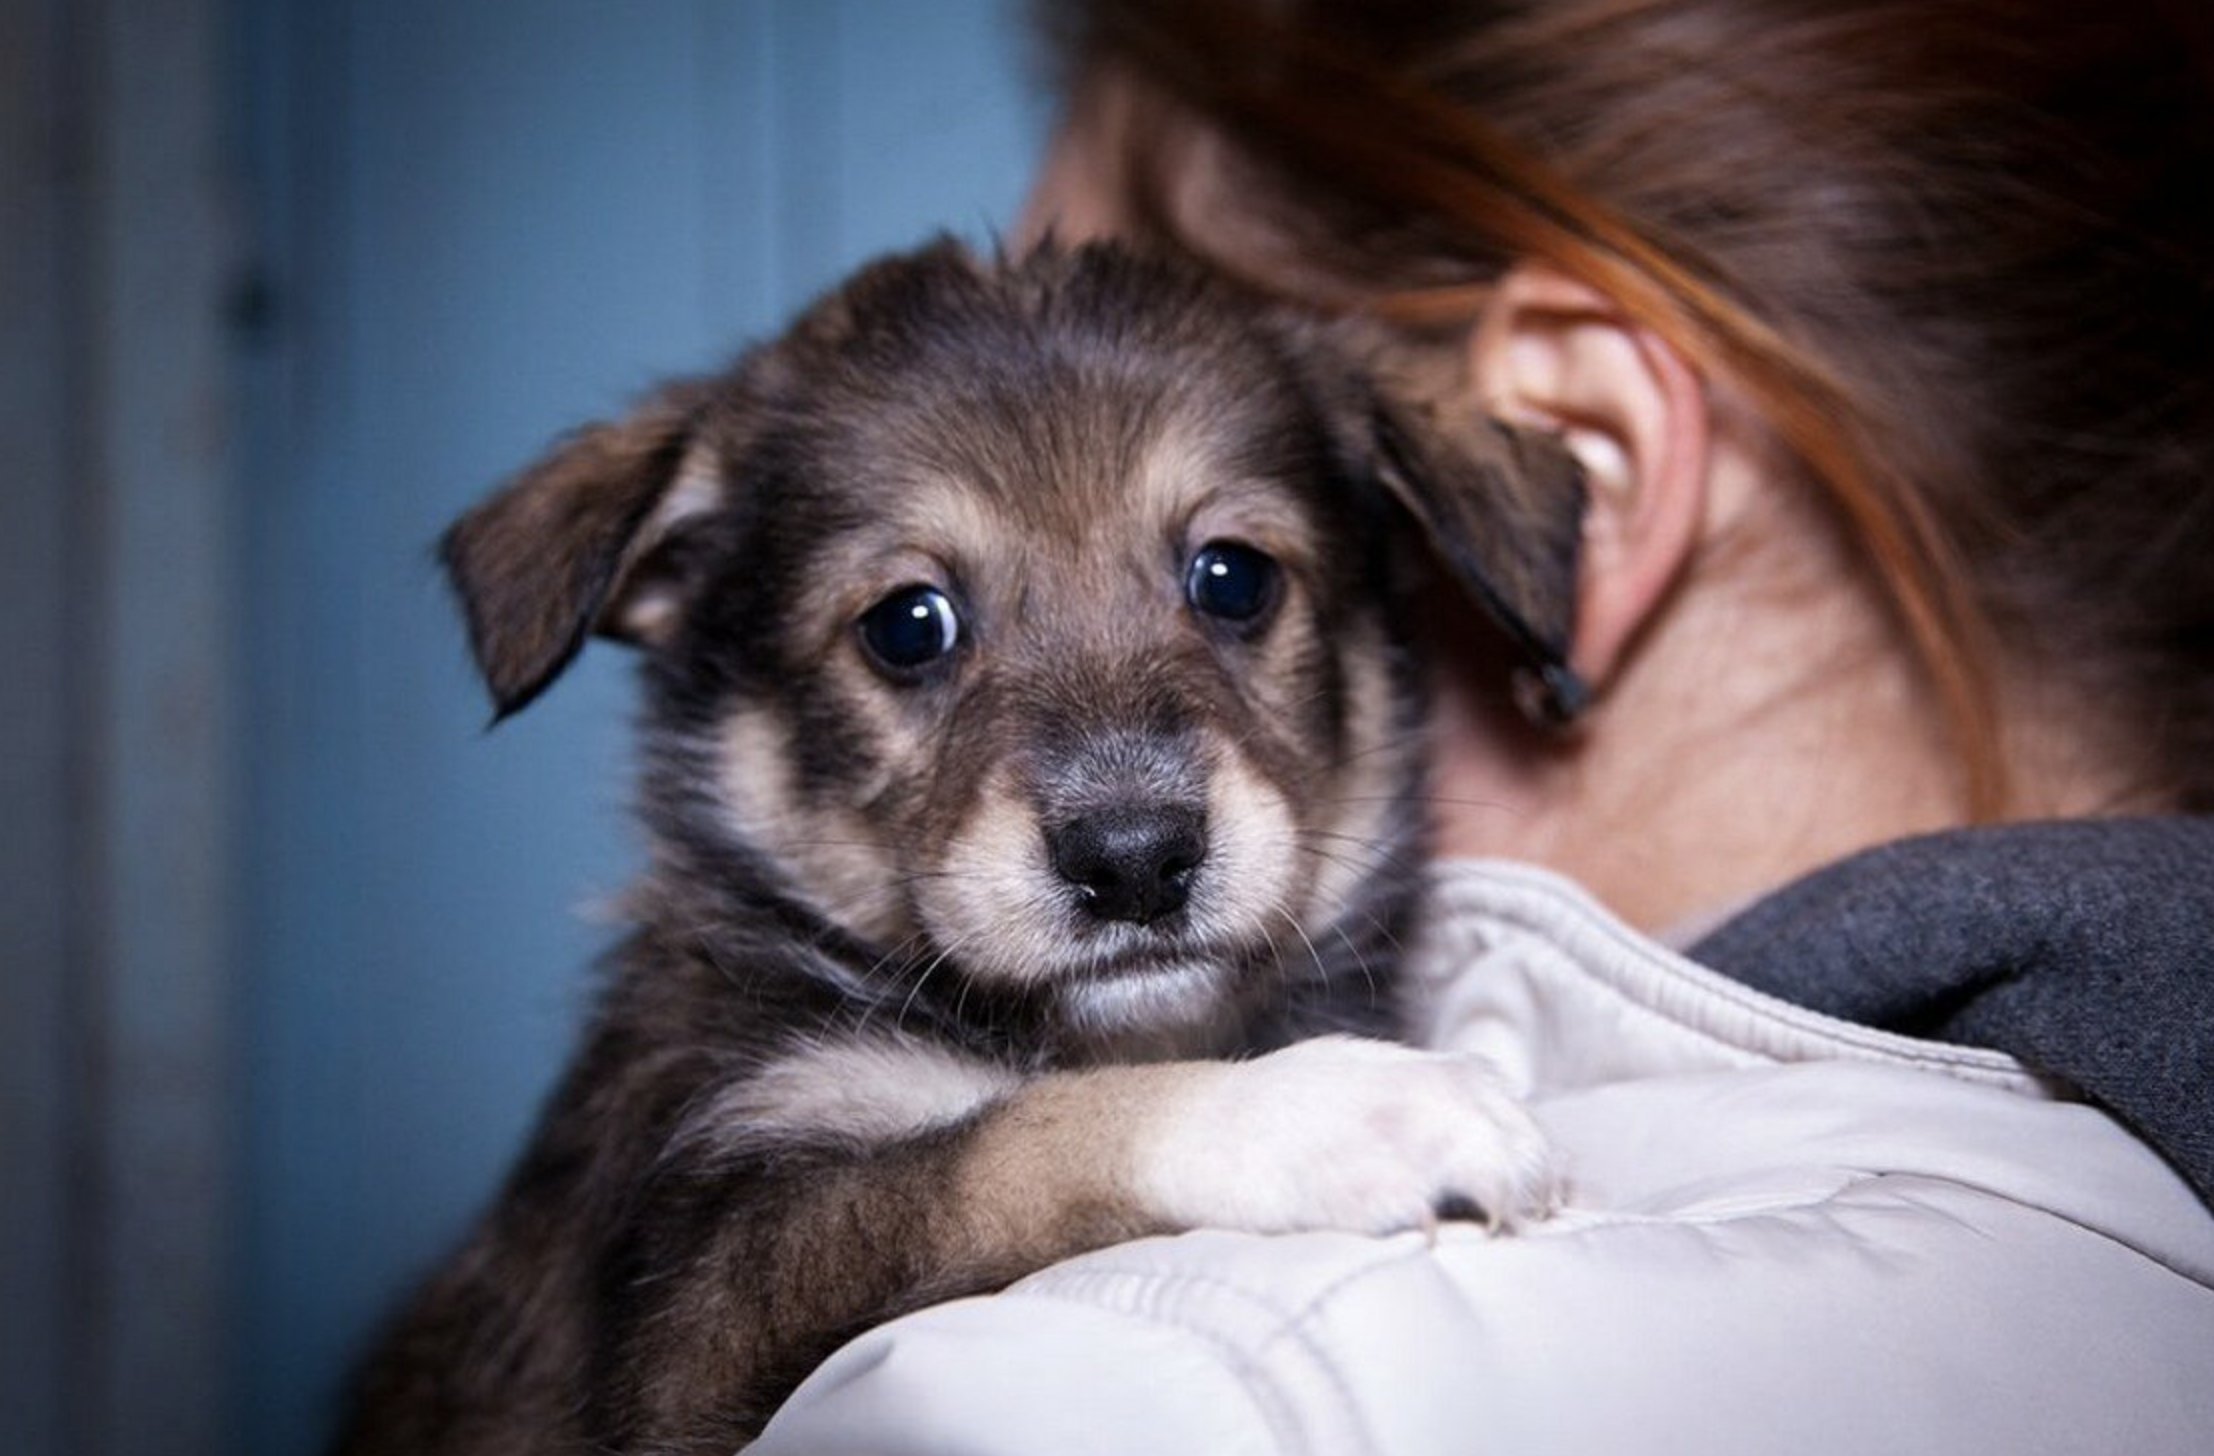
1550 696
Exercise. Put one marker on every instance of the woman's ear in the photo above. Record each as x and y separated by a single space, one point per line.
1554 354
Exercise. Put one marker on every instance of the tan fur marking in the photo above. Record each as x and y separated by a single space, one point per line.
944 518
837 866
1251 870
993 898
650 613
1070 1143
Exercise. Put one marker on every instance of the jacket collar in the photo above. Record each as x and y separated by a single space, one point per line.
1526 969
2084 949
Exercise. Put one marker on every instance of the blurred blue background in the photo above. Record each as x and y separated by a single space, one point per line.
423 236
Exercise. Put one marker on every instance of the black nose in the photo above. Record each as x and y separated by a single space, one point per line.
1130 864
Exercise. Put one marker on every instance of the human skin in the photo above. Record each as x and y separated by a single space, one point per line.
1758 710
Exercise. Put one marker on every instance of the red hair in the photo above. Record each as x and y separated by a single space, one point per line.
1878 220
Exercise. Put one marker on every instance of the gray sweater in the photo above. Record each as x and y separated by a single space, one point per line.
2085 949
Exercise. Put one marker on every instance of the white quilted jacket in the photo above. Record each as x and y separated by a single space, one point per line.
1788 1234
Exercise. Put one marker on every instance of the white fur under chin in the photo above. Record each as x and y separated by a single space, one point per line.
1148 1002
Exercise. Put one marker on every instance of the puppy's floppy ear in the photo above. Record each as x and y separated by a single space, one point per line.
1502 507
587 539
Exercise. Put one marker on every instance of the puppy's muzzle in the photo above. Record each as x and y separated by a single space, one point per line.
1132 863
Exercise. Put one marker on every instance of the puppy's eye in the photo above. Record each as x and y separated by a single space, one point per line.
911 629
1232 582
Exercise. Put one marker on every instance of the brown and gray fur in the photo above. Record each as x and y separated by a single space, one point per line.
864 1047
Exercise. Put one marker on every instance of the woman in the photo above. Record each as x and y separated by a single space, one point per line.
1885 332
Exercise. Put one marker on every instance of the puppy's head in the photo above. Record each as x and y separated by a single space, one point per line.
1037 624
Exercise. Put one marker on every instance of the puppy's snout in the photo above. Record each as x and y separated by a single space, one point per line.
1131 864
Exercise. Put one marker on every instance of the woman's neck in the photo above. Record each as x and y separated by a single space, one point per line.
1753 736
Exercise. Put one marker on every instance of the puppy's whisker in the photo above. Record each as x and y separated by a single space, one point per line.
889 967
945 953
1333 857
1277 712
1390 743
1275 952
1321 969
1368 973
1381 851
898 952
1439 800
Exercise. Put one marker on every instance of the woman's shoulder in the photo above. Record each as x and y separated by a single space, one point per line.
1811 1256
1785 1229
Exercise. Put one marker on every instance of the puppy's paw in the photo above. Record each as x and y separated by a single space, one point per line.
1339 1133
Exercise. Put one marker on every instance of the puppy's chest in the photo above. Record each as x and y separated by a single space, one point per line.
865 1089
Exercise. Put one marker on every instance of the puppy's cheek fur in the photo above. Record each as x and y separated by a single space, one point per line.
1361 817
1252 873
992 898
831 853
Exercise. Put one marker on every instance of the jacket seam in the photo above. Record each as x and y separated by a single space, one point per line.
1249 1360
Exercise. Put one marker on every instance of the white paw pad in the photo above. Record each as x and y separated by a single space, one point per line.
1339 1133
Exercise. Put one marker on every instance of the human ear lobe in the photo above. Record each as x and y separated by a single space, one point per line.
1552 353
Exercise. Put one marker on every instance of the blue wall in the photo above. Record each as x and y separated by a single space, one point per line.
483 221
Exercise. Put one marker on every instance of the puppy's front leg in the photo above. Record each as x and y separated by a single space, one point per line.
738 1284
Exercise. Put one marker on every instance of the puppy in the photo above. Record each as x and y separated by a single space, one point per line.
1029 728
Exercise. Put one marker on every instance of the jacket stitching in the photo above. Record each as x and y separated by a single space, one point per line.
1249 1358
